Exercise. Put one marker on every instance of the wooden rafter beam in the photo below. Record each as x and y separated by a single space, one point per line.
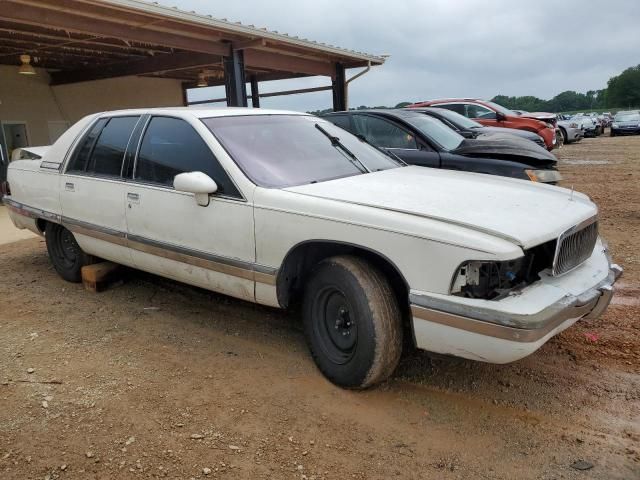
41 34
150 65
32 15
286 63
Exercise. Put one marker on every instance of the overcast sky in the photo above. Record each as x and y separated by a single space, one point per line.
442 48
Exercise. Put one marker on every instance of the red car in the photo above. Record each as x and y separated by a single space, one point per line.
493 115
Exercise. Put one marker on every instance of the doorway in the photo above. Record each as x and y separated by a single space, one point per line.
15 135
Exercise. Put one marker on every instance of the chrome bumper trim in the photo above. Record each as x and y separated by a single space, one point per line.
517 327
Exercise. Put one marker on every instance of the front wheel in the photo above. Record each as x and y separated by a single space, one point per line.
352 322
64 252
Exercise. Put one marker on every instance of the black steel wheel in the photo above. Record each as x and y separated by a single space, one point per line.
352 322
64 252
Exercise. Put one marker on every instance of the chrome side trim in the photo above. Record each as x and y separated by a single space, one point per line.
229 266
31 212
95 231
226 265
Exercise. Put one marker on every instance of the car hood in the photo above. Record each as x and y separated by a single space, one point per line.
519 211
626 123
509 132
544 116
503 146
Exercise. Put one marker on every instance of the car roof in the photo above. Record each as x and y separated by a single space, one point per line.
201 111
446 100
394 112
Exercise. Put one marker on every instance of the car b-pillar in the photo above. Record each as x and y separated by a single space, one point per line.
234 79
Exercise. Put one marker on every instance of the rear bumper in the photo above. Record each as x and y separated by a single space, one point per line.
495 336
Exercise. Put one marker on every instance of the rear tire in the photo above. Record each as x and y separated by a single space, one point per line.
64 252
352 322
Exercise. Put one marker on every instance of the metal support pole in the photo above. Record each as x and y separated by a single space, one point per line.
339 89
255 94
234 80
185 96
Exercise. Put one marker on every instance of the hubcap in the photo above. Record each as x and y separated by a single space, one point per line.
65 247
335 325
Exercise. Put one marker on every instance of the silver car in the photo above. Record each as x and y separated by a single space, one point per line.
571 130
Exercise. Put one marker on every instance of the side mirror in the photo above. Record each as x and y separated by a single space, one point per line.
500 116
198 183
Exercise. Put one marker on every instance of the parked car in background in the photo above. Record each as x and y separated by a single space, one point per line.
491 114
571 130
419 139
588 123
549 119
597 122
471 129
279 207
626 122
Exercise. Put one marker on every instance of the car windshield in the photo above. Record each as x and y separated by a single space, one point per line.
627 117
436 131
458 120
279 151
501 109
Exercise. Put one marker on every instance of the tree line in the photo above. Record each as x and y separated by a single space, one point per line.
622 91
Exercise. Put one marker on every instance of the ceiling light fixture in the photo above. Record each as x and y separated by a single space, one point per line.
202 80
26 68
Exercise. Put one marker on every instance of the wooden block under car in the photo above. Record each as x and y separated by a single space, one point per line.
96 277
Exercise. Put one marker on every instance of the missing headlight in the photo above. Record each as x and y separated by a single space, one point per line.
490 280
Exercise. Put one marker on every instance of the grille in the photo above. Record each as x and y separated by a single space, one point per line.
574 247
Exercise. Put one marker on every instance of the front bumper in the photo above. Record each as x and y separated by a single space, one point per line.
495 336
574 134
627 130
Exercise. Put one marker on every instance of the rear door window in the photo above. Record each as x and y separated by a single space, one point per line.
108 152
82 152
455 107
383 133
171 146
341 121
101 151
478 111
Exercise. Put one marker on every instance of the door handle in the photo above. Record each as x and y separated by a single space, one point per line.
69 187
133 197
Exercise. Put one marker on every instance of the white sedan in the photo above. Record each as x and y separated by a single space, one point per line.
282 208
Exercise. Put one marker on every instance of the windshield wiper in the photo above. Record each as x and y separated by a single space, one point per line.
335 141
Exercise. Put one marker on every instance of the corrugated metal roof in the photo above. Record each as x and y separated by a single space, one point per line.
238 28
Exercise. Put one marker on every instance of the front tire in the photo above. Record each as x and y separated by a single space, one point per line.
352 322
565 137
64 252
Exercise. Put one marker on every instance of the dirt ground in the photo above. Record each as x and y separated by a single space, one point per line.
153 379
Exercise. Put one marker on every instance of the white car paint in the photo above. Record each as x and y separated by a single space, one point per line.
425 222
